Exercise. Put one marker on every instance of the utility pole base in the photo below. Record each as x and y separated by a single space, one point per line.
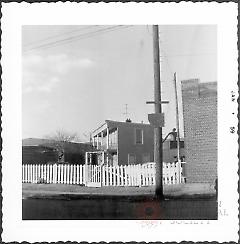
159 193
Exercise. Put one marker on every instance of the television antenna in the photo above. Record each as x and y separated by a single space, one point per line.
126 111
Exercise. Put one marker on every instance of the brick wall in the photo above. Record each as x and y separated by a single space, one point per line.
200 130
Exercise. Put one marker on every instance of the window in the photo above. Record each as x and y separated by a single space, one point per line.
145 158
138 136
173 144
131 158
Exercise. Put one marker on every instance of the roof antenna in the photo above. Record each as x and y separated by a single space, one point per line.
126 113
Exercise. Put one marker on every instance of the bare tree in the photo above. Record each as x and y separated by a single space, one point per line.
61 138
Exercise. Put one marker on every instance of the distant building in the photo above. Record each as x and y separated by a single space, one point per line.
130 143
170 150
200 130
42 151
38 154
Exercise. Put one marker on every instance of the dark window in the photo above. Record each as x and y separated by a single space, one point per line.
131 158
146 158
173 144
139 136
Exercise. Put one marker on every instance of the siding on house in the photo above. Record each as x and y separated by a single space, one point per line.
129 143
200 130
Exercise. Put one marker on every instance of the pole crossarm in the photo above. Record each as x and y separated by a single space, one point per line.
160 102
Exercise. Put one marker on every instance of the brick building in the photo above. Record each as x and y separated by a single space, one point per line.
200 130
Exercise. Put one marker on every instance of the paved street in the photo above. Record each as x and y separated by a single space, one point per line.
119 208
78 202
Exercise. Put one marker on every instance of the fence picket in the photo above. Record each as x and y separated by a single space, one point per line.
136 174
58 174
74 174
82 180
53 174
23 178
111 175
61 174
32 173
25 173
48 171
132 175
64 174
77 174
36 173
84 174
29 173
118 175
121 175
114 176
107 175
81 170
51 171
69 174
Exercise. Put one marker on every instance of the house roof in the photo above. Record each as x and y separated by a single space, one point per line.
111 122
35 141
45 143
115 124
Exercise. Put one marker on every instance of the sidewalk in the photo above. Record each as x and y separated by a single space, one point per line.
193 190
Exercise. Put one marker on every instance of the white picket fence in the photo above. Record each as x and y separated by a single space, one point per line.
128 175
140 175
62 173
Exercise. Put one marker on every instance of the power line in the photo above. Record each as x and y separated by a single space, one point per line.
62 34
78 37
67 39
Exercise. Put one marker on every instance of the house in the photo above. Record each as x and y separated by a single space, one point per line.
200 130
43 151
125 143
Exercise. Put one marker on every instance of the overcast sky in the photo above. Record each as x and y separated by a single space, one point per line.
77 84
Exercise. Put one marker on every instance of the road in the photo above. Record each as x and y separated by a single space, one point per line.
118 208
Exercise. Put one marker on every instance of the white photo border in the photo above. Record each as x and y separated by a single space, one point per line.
14 15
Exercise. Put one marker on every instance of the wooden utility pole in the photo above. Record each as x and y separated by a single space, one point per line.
158 152
177 117
178 130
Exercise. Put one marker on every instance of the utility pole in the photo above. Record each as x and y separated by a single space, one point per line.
158 152
177 122
157 118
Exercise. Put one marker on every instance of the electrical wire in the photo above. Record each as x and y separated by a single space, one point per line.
78 37
59 35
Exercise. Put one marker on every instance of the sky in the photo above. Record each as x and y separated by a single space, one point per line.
76 84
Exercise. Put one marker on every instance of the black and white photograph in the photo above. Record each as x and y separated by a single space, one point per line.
122 121
101 122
